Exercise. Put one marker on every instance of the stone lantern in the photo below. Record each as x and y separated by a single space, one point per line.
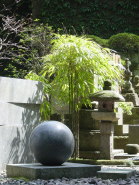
106 115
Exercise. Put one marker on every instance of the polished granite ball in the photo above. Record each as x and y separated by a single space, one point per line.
52 143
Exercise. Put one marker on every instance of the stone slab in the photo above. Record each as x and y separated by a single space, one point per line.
20 91
125 156
116 173
117 151
105 116
36 170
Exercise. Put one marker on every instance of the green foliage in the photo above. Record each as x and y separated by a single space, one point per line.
35 40
101 18
73 63
21 178
126 107
124 43
70 70
100 41
24 47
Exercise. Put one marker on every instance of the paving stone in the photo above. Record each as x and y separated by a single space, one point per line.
116 173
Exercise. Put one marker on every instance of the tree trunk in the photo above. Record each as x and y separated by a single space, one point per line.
75 125
36 9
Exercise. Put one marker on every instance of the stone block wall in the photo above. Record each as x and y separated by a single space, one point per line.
19 113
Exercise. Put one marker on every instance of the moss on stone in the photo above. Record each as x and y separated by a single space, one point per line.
107 95
124 162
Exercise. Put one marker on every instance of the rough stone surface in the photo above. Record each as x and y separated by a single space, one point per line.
134 134
106 140
89 154
86 120
89 140
120 142
106 116
52 143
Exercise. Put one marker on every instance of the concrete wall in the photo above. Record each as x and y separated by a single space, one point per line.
19 113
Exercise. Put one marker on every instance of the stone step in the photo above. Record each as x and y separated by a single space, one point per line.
116 173
118 151
125 156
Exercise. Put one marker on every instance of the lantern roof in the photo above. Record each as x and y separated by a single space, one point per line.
107 95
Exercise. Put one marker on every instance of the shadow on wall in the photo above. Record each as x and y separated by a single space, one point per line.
30 117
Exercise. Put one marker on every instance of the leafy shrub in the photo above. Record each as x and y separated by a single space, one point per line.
72 63
124 42
36 41
100 41
101 18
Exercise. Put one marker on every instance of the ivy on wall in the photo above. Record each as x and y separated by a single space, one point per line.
99 17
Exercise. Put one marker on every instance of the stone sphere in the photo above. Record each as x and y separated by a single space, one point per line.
52 143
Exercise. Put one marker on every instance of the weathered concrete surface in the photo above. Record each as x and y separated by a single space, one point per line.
20 91
14 144
19 113
68 170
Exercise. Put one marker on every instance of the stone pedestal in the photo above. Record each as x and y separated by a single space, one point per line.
107 120
106 139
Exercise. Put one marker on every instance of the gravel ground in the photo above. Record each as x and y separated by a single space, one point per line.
65 181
